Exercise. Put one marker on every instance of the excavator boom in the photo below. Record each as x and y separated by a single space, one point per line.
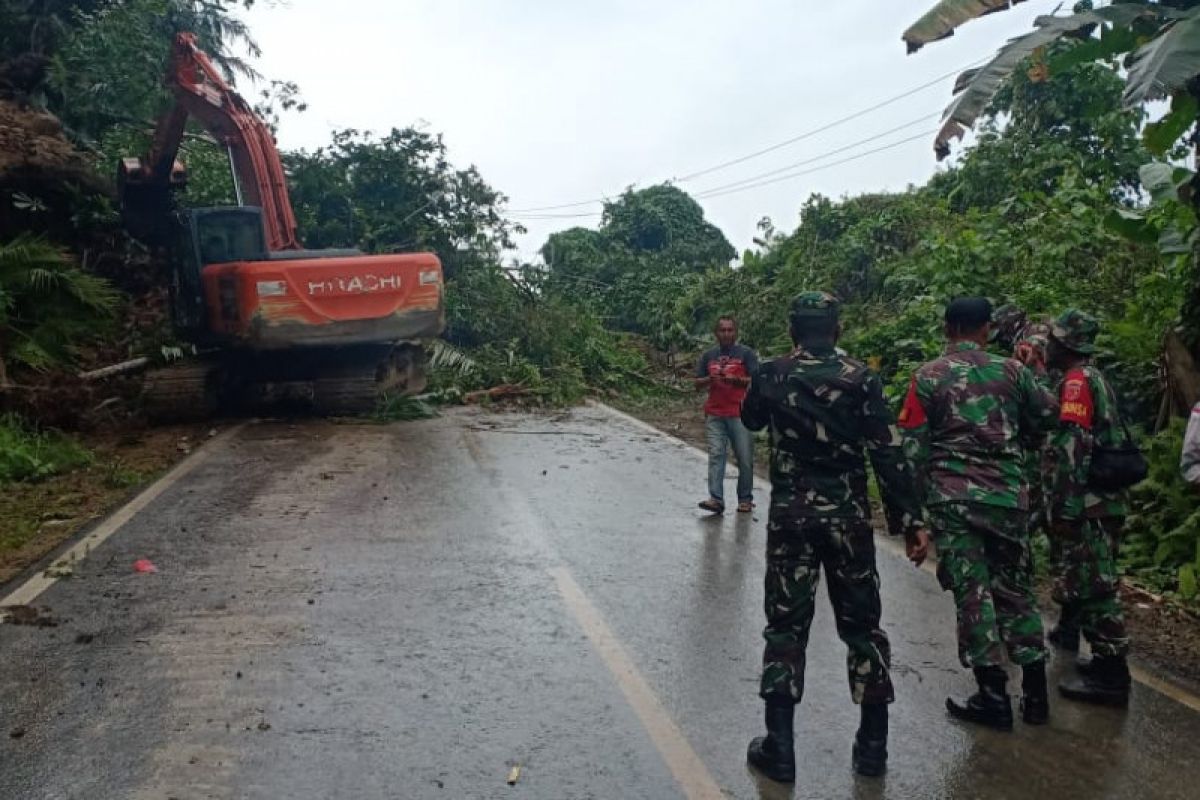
203 94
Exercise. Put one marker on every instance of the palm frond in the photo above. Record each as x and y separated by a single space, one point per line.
445 356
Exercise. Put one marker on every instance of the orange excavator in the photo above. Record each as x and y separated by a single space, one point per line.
330 329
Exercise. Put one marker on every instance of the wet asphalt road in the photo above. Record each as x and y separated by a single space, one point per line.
347 611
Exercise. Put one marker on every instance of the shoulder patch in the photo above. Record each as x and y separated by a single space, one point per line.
912 414
1075 401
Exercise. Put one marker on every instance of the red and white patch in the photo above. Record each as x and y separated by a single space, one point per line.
912 414
1075 402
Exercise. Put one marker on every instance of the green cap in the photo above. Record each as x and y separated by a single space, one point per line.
814 304
1007 321
1076 330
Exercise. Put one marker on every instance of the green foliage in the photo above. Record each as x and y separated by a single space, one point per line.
108 68
651 247
396 193
47 305
1162 544
399 408
29 454
518 335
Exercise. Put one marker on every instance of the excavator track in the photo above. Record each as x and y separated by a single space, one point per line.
358 388
181 393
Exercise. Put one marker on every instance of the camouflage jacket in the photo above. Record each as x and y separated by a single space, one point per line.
967 419
823 408
1033 339
1088 417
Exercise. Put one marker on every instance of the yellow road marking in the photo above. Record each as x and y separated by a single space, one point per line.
689 771
896 548
29 591
1165 688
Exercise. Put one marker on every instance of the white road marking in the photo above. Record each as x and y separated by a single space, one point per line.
895 548
689 771
29 591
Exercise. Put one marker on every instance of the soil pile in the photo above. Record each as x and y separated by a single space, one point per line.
37 161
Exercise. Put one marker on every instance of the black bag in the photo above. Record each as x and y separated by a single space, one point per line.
1118 467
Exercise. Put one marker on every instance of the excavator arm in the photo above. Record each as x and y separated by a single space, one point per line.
202 93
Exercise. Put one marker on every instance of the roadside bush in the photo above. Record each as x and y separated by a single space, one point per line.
28 454
509 332
1162 540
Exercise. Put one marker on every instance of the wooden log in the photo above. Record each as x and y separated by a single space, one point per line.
495 393
132 365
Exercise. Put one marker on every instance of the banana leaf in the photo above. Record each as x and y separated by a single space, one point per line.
977 87
940 21
1166 63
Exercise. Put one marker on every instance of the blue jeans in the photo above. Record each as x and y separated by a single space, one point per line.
720 431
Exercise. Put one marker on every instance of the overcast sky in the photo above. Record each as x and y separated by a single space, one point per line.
560 101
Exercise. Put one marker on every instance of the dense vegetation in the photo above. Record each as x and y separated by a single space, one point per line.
1058 202
1045 209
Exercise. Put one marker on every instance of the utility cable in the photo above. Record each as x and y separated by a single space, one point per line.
800 137
715 193
822 156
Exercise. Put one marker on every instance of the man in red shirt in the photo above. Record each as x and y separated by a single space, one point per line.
725 372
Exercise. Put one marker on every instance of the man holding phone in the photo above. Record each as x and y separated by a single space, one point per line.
725 372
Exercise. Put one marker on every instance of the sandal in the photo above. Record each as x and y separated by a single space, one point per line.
714 506
745 507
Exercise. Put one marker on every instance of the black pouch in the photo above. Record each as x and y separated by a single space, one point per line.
1118 467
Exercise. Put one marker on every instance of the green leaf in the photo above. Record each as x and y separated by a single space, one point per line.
1174 242
1187 581
1163 181
1112 42
1131 225
1166 63
1161 136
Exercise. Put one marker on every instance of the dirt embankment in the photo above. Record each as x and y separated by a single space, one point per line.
38 517
43 177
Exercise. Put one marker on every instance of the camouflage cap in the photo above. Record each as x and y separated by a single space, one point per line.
1076 330
814 304
1007 321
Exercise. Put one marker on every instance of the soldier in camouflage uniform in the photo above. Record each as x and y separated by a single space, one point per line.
1087 522
1028 341
822 409
968 419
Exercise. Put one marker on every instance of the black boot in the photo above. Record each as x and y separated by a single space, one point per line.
869 754
989 706
1035 701
1065 634
1105 683
773 755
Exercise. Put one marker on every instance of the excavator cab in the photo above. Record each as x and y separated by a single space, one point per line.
209 236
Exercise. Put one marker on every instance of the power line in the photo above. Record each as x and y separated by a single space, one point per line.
772 148
757 180
855 157
822 156
828 126
520 215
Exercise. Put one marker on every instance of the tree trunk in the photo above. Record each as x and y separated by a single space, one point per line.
1182 377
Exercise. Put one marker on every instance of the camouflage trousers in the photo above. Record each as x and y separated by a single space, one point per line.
797 548
984 558
1087 582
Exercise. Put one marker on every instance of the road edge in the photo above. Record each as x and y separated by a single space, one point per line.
30 584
